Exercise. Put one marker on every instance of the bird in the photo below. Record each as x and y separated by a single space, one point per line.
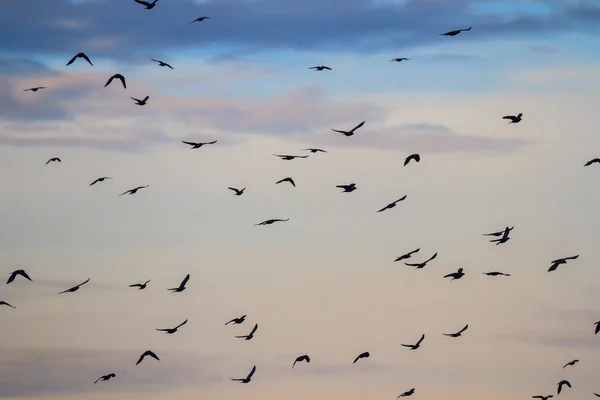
455 275
513 119
350 132
415 346
270 221
366 354
250 335
134 190
415 157
595 160
171 331
34 89
393 204
456 32
116 76
495 273
53 159
457 334
3 303
570 363
288 157
315 150
238 192
162 63
14 274
597 327
149 6
347 188
407 393
140 286
504 237
400 59
105 377
561 384
407 255
305 357
100 180
75 288
499 233
198 144
181 286
80 55
237 321
423 264
200 19
555 263
288 179
320 68
543 397
246 379
139 102
147 353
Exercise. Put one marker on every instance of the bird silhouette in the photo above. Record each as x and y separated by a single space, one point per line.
457 334
350 132
597 327
147 353
53 159
199 19
246 379
305 357
288 157
35 89
320 68
315 150
504 237
237 321
134 190
250 335
181 286
75 288
423 264
139 102
393 204
570 363
495 273
162 63
415 157
197 145
80 55
416 345
455 275
3 303
400 59
347 188
270 221
513 119
561 384
499 233
140 286
170 331
543 397
407 255
100 180
455 32
105 377
149 6
288 179
366 354
407 393
555 263
16 273
238 192
592 161
116 76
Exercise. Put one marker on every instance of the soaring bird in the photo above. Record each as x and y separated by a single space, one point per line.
197 145
504 237
75 288
147 353
140 286
34 89
250 335
237 321
400 59
105 377
415 157
499 233
366 354
320 68
134 190
495 273
347 188
597 327
455 275
270 221
416 345
238 192
288 157
305 357
181 286
53 159
350 132
171 331
561 384
246 379
162 63
595 160
100 180
457 334
14 274
456 32
80 55
543 397
407 393
513 119
199 19
407 255
149 6
393 204
288 179
423 264
3 303
116 76
139 102
559 261
315 150
570 363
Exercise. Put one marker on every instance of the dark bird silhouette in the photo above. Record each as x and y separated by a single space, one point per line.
423 264
34 89
162 63
288 157
597 327
366 354
347 188
400 59
171 331
320 68
147 353
499 233
415 157
246 379
237 321
456 32
14 274
457 334
543 397
116 76
455 275
288 179
570 363
495 273
75 288
197 145
80 55
181 286
149 6
140 286
504 237
53 159
199 19
105 377
3 303
416 345
270 221
561 384
100 180
407 255
513 119
350 132
559 261
300 359
593 161
250 335
393 204
139 102
238 192
315 150
134 190
407 393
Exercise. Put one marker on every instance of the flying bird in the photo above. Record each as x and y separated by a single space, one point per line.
200 19
134 190
407 393
570 363
595 160
555 263
504 237
139 102
3 303
105 377
80 55
100 180
171 331
320 68
456 32
513 119
140 286
14 274
147 353
499 233
246 379
455 275
407 255
495 273
288 179
162 63
75 288
366 354
53 159
393 204
116 76
238 192
237 321
399 59
34 89
561 384
457 334
197 145
415 346
314 150
347 188
288 157
181 286
543 397
149 6
350 132
300 359
250 335
423 264
270 221
415 157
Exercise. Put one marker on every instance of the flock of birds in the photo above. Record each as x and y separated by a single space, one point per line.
501 236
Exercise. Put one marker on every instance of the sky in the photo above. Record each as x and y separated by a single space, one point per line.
325 282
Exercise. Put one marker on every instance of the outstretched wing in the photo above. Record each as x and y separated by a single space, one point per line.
358 126
251 372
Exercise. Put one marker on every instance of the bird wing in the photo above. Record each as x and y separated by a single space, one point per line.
406 345
122 78
141 358
228 322
158 61
96 181
136 285
384 208
553 267
449 275
98 379
400 199
181 324
163 330
213 142
128 191
11 278
412 265
142 2
83 283
109 81
190 143
234 189
251 372
572 257
187 278
86 58
292 182
358 126
253 330
146 98
431 258
152 354
72 60
508 117
338 131
422 338
464 329
138 100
